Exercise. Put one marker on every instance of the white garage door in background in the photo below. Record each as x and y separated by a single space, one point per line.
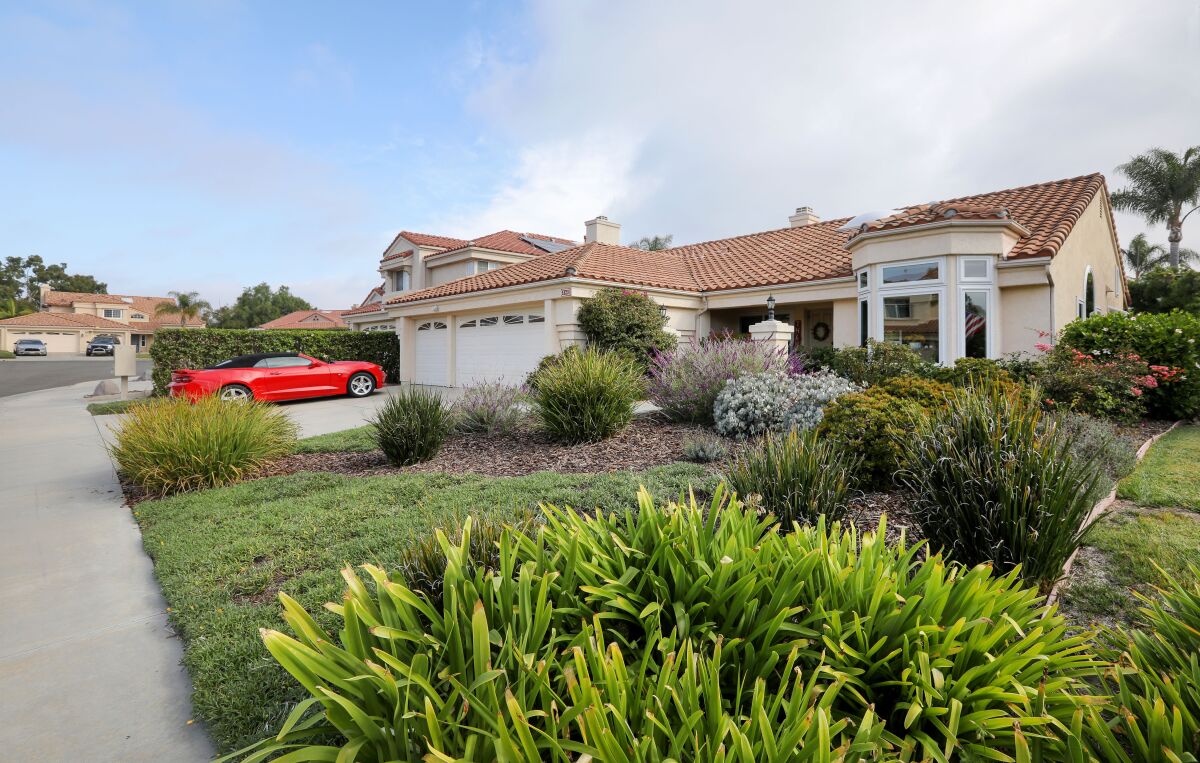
432 350
503 347
56 341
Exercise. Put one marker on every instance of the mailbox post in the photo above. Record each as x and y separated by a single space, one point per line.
124 366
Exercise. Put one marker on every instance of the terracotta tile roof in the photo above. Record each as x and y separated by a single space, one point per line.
511 241
367 300
428 239
68 298
788 255
308 319
146 306
792 255
1048 210
64 320
603 262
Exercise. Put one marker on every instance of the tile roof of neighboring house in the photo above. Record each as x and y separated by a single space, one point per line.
428 239
374 307
792 255
308 319
370 298
603 262
64 320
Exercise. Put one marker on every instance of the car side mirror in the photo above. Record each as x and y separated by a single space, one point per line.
315 364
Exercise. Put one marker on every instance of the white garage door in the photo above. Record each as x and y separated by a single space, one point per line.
503 347
432 353
56 341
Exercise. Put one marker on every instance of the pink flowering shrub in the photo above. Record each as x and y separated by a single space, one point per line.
1110 386
685 382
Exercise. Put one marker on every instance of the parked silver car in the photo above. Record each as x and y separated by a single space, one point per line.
29 347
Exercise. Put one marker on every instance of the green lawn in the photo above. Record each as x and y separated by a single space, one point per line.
222 554
113 406
1167 476
354 440
5 354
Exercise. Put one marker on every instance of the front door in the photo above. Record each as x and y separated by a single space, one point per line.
819 328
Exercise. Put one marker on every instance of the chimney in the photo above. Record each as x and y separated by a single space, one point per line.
804 216
43 290
602 231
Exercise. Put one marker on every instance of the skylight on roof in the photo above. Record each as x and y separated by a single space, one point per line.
858 221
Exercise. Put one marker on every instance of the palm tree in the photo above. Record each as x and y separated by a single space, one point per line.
1141 256
653 243
12 308
1162 184
186 304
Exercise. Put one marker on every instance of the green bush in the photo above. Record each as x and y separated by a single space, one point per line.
171 445
199 348
531 378
628 321
1164 290
1111 388
970 371
1170 341
1155 681
798 477
411 426
991 485
874 423
587 396
705 449
489 408
685 633
869 365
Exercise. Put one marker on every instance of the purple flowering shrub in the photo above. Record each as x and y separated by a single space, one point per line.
490 408
685 382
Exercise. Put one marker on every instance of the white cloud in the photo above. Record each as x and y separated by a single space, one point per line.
740 112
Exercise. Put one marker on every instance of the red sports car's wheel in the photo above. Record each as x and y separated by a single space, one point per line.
236 393
360 385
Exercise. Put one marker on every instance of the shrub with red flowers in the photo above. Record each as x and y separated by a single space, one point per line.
1111 386
685 382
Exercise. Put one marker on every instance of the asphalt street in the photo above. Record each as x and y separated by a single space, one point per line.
30 374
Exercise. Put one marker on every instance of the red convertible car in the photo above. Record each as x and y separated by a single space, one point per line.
278 376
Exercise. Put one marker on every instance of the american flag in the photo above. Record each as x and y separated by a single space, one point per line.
975 322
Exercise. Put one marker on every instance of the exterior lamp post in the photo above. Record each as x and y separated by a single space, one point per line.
771 308
662 310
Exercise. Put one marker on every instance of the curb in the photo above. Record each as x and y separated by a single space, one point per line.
1100 509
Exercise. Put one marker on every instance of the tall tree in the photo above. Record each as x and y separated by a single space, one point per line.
187 306
1162 186
1141 256
21 277
256 305
653 243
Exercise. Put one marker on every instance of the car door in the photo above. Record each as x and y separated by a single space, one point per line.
294 376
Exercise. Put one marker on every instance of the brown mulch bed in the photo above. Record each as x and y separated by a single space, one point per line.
1144 430
643 444
866 509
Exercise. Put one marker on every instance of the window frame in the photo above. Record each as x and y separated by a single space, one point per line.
941 273
987 277
112 312
991 319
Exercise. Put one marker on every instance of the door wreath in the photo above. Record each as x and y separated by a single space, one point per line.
820 331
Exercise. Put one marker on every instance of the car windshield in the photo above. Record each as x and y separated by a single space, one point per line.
29 341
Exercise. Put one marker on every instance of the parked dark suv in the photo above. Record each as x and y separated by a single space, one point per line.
102 345
29 347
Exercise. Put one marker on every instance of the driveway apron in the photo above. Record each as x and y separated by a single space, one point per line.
89 669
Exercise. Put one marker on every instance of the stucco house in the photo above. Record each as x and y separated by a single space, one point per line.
978 276
308 319
68 320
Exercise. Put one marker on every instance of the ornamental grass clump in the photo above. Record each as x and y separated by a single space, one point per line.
490 408
688 633
992 485
798 477
775 401
172 445
685 382
587 396
411 426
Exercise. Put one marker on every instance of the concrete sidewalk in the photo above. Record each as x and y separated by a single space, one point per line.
89 669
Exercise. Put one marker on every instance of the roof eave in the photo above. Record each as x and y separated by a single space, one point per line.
1010 224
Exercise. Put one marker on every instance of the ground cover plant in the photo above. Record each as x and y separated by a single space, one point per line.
112 406
798 476
356 440
221 555
7 354
990 483
411 426
588 395
1167 475
685 632
685 382
1087 438
704 449
170 445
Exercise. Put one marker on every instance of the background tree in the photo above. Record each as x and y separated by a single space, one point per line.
1164 290
256 305
1162 186
1141 256
653 243
21 277
11 308
187 305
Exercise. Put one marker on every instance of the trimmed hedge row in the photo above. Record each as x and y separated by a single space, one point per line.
197 348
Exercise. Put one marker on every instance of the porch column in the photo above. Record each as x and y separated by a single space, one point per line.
451 349
774 333
406 328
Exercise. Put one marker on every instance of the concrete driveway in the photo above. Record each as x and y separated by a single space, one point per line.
19 375
89 668
333 414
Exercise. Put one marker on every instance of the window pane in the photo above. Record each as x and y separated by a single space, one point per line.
919 329
975 268
864 326
975 323
921 271
862 280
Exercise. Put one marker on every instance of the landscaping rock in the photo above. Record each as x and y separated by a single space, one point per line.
107 387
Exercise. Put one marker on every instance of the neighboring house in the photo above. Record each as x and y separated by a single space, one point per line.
978 276
308 319
69 320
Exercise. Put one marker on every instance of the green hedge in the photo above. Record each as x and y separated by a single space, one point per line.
197 348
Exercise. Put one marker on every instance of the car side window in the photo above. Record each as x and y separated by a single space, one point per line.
287 362
264 363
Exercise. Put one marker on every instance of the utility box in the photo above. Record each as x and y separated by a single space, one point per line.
124 366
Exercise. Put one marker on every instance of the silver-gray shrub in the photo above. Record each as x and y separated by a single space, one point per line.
490 408
774 401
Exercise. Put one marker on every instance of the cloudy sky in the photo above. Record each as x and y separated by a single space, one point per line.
212 144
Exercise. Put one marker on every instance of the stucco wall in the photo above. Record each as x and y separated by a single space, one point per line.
448 272
1024 317
1090 244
